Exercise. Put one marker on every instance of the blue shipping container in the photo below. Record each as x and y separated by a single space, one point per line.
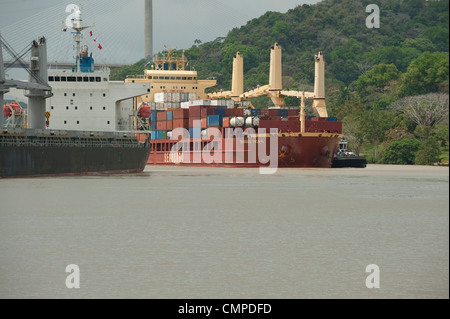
195 132
220 111
332 119
153 135
214 120
154 116
170 116
256 112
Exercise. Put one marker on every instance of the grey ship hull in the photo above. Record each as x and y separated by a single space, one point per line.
31 156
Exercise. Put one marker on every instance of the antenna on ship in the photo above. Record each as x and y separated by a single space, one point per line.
76 24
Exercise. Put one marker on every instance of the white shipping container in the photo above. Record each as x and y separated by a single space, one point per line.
200 102
192 96
176 97
185 105
184 97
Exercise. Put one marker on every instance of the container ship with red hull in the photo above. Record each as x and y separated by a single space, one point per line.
190 127
232 137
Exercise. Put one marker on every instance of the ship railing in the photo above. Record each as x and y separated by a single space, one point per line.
66 141
72 68
136 76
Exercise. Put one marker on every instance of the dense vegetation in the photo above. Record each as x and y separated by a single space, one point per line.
389 86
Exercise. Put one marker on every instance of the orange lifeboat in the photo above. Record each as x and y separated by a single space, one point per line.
15 106
144 111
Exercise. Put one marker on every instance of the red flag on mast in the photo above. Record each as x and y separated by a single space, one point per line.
100 46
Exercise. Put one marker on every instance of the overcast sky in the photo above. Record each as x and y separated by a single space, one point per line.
119 25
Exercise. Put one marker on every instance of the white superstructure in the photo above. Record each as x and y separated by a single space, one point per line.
83 96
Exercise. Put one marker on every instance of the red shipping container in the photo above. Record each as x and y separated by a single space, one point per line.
226 122
238 112
180 123
191 121
206 112
180 114
195 111
293 112
204 123
169 125
229 112
161 126
161 116
274 112
265 112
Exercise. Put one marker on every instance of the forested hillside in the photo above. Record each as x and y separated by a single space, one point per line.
388 85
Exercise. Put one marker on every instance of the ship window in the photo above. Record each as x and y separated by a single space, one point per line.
184 78
104 108
85 79
52 108
109 122
67 108
71 79
172 78
98 79
189 78
78 122
65 122
65 94
73 94
195 78
166 78
178 78
104 94
76 107
51 78
79 79
57 78
91 79
63 79
91 108
105 79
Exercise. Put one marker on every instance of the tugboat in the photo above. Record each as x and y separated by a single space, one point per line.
345 158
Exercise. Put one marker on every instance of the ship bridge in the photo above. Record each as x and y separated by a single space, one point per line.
169 75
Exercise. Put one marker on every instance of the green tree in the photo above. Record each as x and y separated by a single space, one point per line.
379 77
375 124
428 153
401 152
425 74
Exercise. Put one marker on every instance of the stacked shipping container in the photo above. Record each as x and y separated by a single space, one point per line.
198 118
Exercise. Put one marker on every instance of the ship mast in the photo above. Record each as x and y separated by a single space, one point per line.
76 24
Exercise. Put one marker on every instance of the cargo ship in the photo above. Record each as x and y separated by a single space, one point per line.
74 118
190 127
